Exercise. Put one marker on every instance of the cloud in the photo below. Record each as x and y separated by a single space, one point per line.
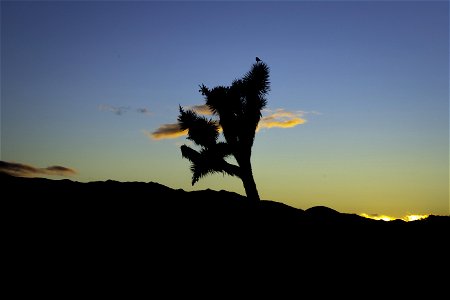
120 110
117 110
144 111
59 170
17 169
201 109
281 119
166 131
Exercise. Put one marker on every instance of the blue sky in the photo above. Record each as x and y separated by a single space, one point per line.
84 84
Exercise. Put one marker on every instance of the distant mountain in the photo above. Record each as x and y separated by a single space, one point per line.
153 200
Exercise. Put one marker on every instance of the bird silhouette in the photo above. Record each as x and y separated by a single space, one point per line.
258 59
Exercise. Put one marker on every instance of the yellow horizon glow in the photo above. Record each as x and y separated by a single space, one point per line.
406 218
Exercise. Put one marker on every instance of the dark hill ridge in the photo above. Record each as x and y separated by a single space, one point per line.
159 201
137 213
135 231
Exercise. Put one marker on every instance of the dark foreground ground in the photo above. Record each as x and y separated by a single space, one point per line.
102 227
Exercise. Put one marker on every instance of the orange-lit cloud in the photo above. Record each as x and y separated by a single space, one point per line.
166 131
201 109
17 169
281 119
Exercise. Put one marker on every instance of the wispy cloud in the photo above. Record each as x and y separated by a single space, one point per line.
114 109
281 118
120 110
144 111
23 170
166 131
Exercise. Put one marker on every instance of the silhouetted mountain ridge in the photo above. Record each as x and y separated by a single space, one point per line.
142 198
113 225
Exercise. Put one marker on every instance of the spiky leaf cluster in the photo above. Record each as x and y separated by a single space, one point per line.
238 108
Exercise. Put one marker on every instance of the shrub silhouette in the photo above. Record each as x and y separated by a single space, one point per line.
238 108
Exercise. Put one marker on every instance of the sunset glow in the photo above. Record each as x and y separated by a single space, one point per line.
415 217
406 218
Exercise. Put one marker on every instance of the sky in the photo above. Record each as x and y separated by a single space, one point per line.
357 116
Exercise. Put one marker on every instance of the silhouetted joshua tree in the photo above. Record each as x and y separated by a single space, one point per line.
238 108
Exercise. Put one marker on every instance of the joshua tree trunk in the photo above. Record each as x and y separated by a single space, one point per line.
249 181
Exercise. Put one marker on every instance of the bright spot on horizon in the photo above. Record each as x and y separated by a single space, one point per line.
406 218
415 217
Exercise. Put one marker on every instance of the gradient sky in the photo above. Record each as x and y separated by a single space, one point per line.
85 84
